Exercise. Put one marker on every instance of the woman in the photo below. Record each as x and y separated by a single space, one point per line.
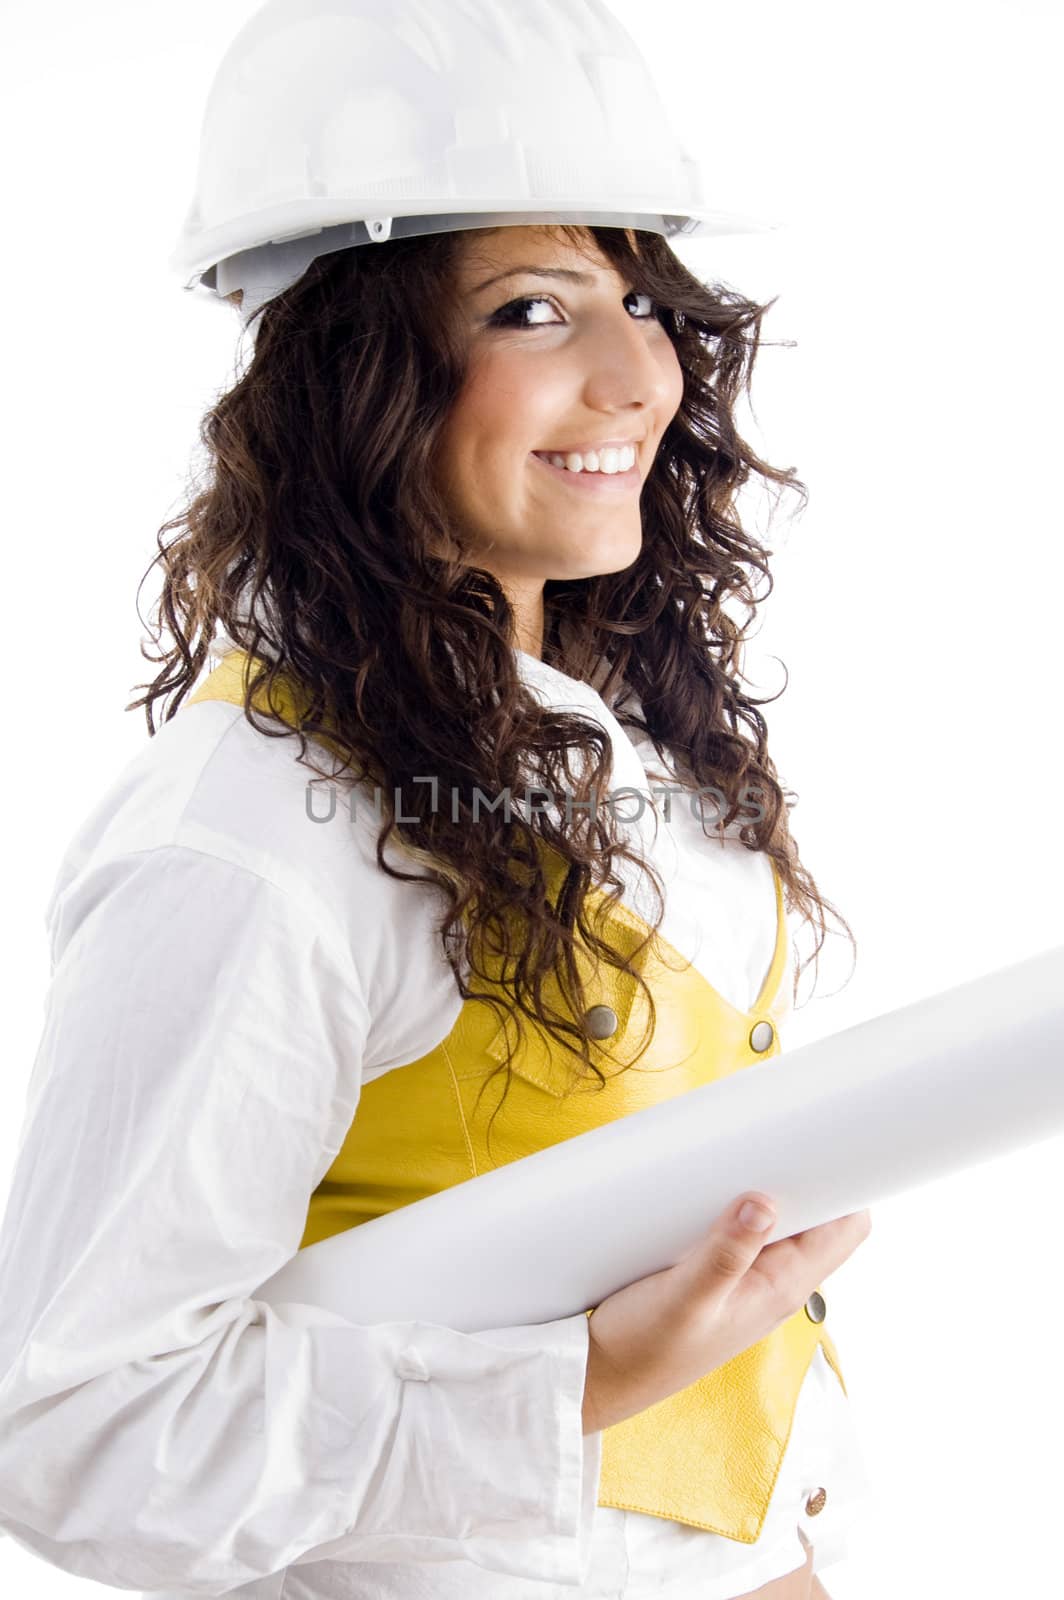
263 1030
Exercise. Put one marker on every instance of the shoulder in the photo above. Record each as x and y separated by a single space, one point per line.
209 785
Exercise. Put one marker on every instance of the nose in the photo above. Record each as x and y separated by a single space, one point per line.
625 366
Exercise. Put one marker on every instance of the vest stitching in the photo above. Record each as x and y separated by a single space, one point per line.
708 1527
460 1109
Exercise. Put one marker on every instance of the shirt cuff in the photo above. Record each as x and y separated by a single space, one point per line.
504 1477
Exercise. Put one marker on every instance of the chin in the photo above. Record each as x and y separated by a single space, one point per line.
589 562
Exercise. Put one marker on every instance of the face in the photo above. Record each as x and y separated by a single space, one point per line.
557 364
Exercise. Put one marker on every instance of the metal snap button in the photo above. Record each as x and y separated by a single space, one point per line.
600 1022
816 1502
816 1307
762 1035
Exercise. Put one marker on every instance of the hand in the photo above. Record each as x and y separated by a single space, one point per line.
664 1332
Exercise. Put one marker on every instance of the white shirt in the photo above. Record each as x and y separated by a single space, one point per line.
226 973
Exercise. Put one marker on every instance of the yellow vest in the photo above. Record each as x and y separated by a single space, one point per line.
710 1454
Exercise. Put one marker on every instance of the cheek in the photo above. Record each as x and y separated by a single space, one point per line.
674 378
515 400
480 433
458 444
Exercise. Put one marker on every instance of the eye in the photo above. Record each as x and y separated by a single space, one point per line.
511 315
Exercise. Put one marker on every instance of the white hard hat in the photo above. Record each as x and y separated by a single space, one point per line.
333 123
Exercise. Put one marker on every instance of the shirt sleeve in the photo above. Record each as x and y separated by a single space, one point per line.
160 1427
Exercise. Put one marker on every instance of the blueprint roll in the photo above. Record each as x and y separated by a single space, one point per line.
906 1097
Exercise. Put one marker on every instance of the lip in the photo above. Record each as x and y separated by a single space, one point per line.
599 446
617 484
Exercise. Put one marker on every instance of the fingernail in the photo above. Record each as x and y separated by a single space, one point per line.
755 1217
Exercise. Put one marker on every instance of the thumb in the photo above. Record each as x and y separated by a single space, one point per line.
734 1240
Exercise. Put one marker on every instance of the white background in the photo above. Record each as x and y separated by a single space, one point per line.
913 151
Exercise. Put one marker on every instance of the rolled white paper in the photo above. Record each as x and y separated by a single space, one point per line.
905 1097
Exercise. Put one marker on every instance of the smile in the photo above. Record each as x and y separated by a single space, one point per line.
615 484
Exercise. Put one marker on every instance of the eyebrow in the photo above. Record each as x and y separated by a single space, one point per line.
582 278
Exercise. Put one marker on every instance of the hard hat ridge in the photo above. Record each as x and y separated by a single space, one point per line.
338 123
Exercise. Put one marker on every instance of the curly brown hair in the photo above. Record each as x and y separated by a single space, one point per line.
315 545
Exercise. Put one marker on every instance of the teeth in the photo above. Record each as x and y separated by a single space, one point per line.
606 461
